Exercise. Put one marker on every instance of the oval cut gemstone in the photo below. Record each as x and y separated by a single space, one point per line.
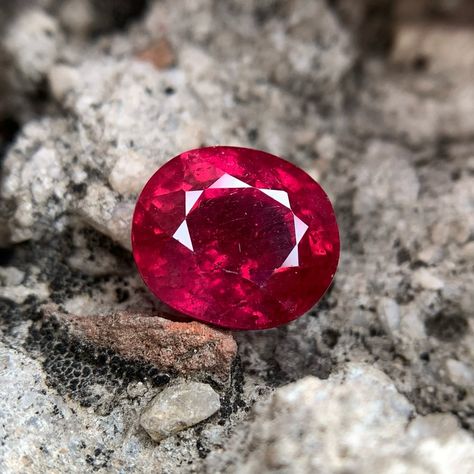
235 237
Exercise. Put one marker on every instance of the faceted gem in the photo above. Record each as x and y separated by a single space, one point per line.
235 237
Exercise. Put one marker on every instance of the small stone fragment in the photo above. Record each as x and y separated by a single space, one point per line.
461 230
468 250
62 79
100 209
430 255
440 425
176 347
389 315
411 325
178 407
32 42
460 373
11 276
130 173
423 278
159 54
440 232
137 389
77 16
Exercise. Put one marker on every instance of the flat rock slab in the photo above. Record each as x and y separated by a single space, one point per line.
185 348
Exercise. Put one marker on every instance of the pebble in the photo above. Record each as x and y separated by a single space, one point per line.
135 390
411 325
389 314
62 79
440 233
159 54
430 255
178 407
33 41
77 16
460 373
326 146
130 173
468 250
11 276
423 278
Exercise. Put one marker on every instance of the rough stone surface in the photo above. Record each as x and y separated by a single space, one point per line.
355 421
178 407
32 43
373 99
187 348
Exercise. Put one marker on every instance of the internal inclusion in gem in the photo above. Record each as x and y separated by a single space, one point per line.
235 237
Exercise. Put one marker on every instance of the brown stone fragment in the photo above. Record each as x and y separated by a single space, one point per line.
160 54
185 348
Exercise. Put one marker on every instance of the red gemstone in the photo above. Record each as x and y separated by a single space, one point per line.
235 237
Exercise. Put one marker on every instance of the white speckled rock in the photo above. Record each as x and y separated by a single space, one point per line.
178 407
130 117
32 41
62 80
355 421
37 425
393 148
425 279
130 173
460 373
385 175
389 314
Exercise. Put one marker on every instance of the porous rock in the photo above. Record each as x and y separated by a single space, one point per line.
186 348
32 44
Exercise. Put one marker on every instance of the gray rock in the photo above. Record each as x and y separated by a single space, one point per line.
389 313
384 176
43 431
62 79
425 279
32 43
122 113
178 407
355 421
390 140
460 373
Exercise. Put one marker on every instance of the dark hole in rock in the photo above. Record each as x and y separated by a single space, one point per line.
117 14
6 256
421 63
403 255
9 127
331 337
446 327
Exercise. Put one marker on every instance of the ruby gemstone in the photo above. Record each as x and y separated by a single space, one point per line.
235 237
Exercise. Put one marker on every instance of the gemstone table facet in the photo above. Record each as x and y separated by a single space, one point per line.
235 237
